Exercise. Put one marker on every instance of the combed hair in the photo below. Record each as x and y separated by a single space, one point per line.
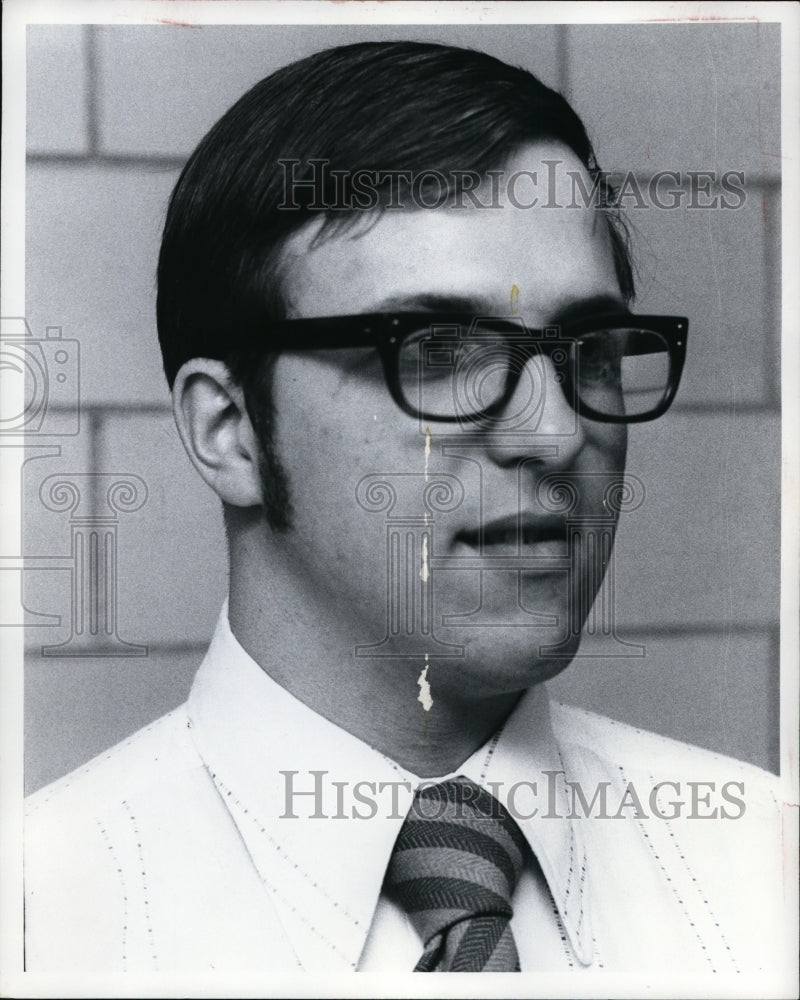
379 106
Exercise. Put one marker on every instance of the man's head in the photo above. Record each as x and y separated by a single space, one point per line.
269 404
390 111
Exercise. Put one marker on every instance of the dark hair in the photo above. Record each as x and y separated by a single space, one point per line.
376 106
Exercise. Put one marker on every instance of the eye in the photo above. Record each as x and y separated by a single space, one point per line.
423 356
600 357
362 361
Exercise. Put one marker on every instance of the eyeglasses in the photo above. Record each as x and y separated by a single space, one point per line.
615 368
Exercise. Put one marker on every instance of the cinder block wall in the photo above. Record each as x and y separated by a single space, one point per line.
112 115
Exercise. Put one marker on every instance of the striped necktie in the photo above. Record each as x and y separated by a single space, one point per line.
454 868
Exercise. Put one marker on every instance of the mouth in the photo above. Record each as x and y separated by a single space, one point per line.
543 536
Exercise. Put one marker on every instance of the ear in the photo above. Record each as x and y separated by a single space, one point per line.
216 431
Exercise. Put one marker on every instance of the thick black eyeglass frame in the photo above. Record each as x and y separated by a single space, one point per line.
386 332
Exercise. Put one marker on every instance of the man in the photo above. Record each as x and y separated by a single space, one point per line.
395 309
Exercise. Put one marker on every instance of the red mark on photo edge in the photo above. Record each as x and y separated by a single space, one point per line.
697 17
176 24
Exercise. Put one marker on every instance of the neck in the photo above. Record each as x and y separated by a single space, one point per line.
307 645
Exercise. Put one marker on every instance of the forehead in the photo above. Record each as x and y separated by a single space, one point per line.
551 257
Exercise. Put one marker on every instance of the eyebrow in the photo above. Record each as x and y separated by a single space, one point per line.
570 310
593 305
435 302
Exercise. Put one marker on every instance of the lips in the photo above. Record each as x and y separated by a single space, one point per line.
516 531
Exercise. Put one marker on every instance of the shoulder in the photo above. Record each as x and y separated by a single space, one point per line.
153 755
597 749
75 824
698 831
154 779
86 836
621 747
126 859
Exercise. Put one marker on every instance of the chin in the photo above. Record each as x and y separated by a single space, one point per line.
498 663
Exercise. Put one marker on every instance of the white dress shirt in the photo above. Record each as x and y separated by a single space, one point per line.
188 848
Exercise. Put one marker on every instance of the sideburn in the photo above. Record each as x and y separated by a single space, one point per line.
275 486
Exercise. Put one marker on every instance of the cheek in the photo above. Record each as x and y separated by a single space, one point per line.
332 430
619 445
600 466
611 488
609 443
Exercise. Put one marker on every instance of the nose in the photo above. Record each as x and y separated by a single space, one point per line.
538 421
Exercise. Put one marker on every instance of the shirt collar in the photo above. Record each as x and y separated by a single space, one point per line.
324 866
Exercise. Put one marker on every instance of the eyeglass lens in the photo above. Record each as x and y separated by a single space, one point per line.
615 372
